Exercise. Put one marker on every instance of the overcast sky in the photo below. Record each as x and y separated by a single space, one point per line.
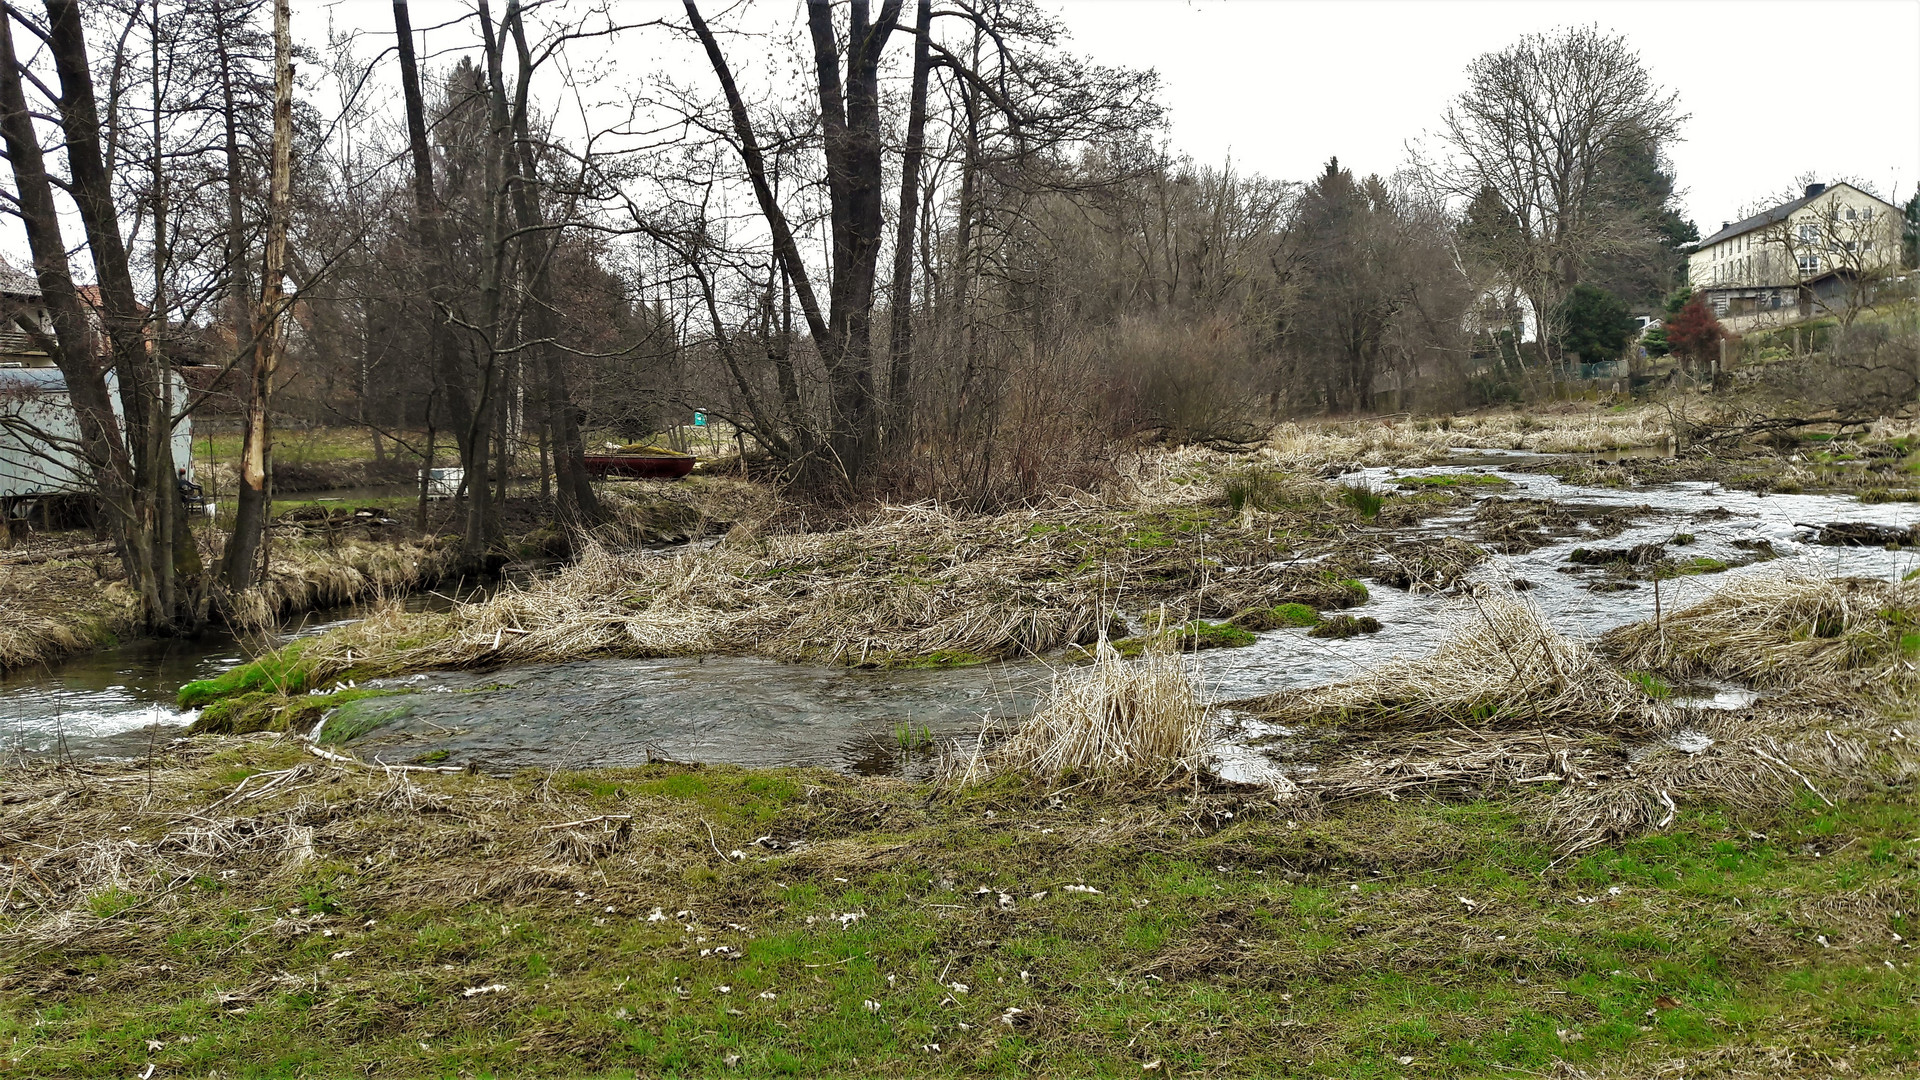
1774 88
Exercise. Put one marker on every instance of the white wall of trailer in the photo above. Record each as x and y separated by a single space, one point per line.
39 433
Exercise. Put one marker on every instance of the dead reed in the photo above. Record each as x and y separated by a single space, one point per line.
1116 720
53 609
914 584
1501 666
1406 441
1508 708
1782 629
308 576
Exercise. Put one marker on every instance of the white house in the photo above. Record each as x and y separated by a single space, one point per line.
1822 250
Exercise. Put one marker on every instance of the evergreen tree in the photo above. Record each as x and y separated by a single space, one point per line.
1655 339
1640 191
1596 323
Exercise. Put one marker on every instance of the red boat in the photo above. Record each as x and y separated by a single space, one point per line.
641 466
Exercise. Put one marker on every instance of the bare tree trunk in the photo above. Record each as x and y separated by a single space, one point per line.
849 117
242 556
851 129
578 503
426 470
900 336
469 427
159 554
239 287
100 444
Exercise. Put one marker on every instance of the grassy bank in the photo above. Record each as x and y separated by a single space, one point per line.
62 605
251 911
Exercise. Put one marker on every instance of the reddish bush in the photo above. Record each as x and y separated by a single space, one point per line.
1693 334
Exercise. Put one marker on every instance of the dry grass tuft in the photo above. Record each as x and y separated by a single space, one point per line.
1768 757
1782 629
1115 720
58 607
1370 444
1508 707
1501 666
1409 442
313 575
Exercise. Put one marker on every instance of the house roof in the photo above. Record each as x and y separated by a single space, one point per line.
1777 215
17 282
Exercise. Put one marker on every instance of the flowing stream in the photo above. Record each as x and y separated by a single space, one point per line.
119 702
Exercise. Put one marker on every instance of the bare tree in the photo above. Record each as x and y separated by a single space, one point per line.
849 110
129 455
265 335
1539 126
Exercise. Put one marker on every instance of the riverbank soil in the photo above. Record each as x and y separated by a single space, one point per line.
239 907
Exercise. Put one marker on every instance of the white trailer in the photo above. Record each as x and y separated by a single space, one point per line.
40 435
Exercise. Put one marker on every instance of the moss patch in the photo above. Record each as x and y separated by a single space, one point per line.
256 710
1188 637
361 713
278 672
1277 617
1454 480
943 658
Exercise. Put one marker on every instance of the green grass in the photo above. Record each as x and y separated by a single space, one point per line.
309 446
1454 480
1263 489
1702 565
278 672
394 505
1252 946
1654 685
1364 500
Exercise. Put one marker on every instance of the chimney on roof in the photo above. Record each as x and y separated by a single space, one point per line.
1815 189
1724 224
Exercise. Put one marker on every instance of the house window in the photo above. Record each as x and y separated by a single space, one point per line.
1868 246
1809 233
1773 299
1850 214
1850 245
1809 264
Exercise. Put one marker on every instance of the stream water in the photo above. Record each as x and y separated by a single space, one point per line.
118 702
